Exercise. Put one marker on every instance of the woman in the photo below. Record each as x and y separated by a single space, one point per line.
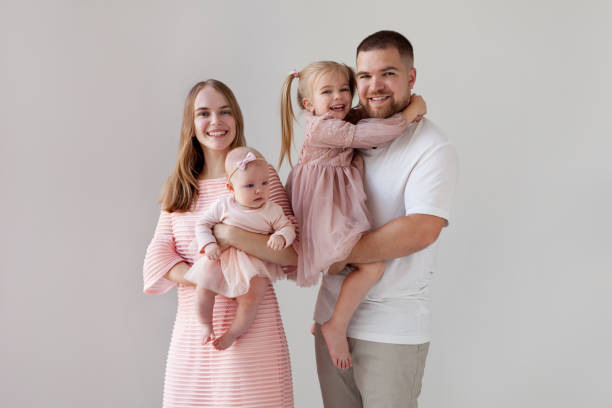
255 371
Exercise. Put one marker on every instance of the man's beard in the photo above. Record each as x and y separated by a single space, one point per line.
388 110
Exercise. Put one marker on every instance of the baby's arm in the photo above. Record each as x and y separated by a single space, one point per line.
284 231
276 242
207 244
212 251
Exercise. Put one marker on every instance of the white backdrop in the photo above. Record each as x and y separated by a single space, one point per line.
91 102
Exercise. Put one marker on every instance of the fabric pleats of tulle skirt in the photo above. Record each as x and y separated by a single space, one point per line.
231 275
330 205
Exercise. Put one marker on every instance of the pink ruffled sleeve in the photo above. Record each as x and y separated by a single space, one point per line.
278 195
326 132
161 256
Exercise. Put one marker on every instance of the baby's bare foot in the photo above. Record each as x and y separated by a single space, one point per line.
207 333
226 340
337 344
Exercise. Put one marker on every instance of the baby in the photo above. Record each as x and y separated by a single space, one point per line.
234 273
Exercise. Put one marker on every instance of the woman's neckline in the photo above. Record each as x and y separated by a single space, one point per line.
211 179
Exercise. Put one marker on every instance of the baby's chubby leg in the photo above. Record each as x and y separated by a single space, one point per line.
354 288
245 313
206 303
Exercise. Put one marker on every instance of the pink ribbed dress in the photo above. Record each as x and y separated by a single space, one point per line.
255 371
326 188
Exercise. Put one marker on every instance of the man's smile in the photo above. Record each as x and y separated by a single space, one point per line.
376 100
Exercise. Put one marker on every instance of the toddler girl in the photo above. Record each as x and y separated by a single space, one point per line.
234 273
326 186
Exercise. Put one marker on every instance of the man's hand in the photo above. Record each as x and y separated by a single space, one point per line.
276 242
336 267
223 234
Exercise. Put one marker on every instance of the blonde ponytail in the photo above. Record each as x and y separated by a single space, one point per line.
287 118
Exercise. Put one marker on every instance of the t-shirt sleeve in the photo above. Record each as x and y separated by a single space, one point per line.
431 184
160 257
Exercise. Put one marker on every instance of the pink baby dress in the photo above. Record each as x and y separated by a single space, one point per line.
231 275
326 188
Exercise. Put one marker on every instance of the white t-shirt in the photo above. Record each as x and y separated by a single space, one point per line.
414 174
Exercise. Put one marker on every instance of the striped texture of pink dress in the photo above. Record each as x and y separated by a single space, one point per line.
255 371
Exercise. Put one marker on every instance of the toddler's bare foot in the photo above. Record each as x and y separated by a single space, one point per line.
207 332
226 340
337 344
312 328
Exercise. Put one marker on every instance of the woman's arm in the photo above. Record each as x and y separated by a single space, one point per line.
177 274
161 257
254 244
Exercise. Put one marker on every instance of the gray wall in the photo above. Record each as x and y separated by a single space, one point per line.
91 102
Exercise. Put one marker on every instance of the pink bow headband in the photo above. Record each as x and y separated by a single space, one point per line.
241 164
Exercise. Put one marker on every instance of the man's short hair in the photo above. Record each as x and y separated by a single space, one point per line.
386 39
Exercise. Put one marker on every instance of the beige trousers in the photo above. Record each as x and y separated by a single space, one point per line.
383 375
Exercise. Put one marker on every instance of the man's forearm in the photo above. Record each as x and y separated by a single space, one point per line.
397 238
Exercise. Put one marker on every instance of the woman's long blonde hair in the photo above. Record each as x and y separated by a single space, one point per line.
181 188
307 77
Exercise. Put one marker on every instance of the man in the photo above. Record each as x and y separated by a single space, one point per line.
409 183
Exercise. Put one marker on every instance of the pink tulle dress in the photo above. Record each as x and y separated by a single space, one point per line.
326 188
231 275
256 370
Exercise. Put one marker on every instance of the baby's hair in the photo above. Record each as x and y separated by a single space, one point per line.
307 78
236 155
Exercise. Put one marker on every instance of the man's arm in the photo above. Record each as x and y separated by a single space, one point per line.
429 189
397 238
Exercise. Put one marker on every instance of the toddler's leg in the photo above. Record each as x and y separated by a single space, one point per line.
245 313
206 302
354 288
